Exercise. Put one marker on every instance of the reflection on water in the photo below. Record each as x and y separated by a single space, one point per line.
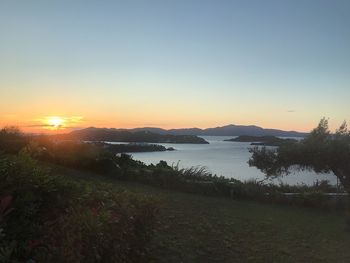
228 159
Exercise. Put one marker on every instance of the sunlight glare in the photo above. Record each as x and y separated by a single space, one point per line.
55 122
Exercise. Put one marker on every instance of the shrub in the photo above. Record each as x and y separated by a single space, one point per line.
49 218
12 140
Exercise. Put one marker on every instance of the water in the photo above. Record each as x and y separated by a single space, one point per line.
228 159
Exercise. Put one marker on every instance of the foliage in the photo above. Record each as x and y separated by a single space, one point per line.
49 218
73 154
321 151
11 140
199 181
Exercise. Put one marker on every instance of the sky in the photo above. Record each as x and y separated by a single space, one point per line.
171 64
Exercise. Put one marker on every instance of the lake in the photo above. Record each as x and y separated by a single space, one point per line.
228 159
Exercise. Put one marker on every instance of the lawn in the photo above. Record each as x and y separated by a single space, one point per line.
195 228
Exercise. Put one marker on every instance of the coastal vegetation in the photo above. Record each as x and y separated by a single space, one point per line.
97 158
320 151
177 227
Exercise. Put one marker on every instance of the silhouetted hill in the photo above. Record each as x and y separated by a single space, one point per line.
159 135
228 130
133 147
122 135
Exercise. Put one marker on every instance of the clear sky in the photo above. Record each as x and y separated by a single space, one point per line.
277 64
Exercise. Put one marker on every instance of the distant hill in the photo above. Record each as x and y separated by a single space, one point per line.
228 130
122 135
159 135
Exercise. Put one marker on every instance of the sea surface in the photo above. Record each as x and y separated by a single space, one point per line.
228 159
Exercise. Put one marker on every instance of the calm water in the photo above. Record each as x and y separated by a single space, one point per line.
228 159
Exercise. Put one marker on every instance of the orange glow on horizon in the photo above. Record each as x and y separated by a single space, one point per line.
59 123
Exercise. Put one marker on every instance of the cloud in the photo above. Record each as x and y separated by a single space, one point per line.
38 125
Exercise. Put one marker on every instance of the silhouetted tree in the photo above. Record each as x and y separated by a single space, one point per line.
12 140
320 151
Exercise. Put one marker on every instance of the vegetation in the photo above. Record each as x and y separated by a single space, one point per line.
197 228
73 154
262 140
203 229
95 157
49 218
320 151
12 140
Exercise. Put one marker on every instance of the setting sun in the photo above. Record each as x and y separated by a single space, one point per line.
55 122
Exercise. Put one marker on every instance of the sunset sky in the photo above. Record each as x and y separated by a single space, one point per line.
72 64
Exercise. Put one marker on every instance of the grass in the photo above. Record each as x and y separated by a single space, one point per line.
195 228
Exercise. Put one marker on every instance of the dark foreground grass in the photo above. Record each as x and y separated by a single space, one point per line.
194 228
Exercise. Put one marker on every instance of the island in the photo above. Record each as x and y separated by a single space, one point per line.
133 147
121 135
262 140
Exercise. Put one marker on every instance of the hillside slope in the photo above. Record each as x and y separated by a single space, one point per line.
195 228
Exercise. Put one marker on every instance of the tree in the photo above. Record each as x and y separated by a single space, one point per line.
12 140
320 151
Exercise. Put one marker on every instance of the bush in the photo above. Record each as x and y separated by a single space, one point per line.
48 218
12 140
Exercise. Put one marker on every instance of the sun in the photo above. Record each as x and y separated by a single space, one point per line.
55 122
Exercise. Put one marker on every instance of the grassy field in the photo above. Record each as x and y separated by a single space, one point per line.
194 228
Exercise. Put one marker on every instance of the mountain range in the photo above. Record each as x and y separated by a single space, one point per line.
159 135
228 130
